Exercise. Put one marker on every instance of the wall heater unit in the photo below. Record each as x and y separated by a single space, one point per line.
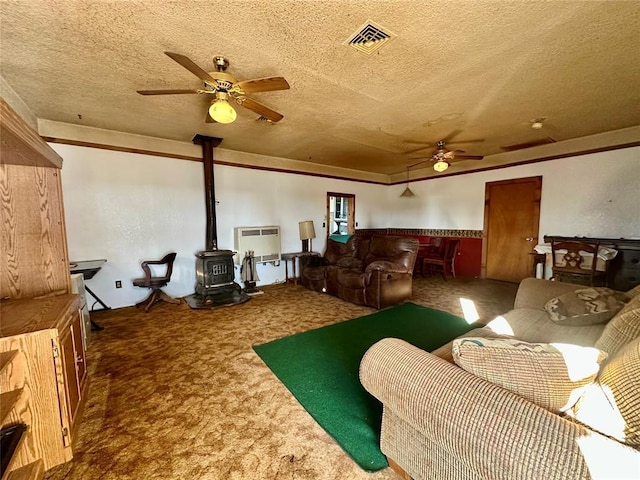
263 241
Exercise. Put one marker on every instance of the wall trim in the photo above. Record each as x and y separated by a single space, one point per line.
544 158
115 148
426 232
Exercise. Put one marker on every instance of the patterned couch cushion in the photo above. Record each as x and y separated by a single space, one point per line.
552 376
622 329
612 404
586 306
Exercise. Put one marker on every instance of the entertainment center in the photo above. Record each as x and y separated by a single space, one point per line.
43 368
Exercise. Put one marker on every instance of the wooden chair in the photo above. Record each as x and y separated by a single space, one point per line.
156 283
444 263
425 250
570 263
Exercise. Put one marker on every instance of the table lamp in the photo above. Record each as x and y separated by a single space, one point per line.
307 233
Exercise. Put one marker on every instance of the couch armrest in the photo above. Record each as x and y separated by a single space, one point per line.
535 292
386 266
498 433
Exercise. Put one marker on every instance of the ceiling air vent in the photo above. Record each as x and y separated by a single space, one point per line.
534 143
369 38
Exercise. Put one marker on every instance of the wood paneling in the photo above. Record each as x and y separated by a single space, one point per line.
21 145
35 260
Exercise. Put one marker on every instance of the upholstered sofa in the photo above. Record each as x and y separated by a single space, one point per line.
441 421
376 271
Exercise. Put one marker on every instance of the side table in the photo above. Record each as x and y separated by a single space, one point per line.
292 257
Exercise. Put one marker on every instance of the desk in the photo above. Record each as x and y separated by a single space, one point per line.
88 269
292 257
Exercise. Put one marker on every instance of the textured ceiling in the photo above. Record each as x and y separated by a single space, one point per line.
483 68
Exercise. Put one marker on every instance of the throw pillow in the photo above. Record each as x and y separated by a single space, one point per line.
586 306
612 404
552 376
622 328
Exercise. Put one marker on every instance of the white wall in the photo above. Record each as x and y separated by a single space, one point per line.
595 195
130 207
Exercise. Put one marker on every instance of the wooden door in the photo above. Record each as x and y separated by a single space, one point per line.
511 223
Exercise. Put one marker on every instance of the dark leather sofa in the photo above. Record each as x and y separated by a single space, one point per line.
376 271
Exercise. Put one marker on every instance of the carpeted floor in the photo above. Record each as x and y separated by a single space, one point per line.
180 394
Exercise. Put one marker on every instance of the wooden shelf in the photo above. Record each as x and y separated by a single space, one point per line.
31 471
29 315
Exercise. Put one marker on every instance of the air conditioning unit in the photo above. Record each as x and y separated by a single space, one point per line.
264 242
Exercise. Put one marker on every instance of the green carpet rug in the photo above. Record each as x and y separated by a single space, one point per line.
320 368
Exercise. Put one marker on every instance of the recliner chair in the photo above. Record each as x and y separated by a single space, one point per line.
156 283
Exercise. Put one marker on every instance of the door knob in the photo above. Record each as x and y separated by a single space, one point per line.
529 239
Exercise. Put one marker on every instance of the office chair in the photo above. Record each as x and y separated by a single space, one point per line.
156 283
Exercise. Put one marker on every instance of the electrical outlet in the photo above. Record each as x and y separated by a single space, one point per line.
118 283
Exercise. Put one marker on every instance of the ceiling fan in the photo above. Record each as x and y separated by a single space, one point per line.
224 86
442 158
448 139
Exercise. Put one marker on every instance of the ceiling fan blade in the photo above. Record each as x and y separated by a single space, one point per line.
416 149
449 138
468 157
268 84
420 161
475 140
260 109
165 92
451 135
192 67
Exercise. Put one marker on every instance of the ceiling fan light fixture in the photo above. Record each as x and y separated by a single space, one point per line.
536 123
221 111
440 166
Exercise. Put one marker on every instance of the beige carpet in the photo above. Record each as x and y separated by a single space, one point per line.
179 393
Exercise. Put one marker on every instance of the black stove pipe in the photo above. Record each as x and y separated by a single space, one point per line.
208 144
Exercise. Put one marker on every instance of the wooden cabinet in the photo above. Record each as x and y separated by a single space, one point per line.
47 338
73 365
43 371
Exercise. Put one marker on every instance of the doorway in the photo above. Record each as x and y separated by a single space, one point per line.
511 227
340 218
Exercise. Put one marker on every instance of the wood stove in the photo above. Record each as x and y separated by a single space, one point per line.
215 274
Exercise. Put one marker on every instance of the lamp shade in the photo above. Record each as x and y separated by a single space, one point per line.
440 166
222 112
407 192
306 230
